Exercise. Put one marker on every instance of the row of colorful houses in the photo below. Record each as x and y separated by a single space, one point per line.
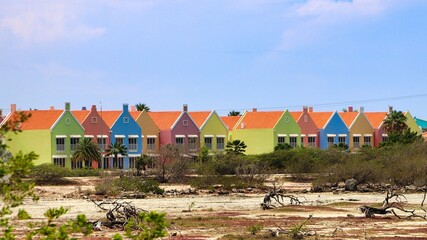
53 134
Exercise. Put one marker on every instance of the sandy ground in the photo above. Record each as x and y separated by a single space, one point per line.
335 216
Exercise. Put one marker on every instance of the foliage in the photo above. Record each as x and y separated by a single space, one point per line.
282 146
171 164
401 137
203 156
23 215
86 150
147 226
142 107
395 121
115 186
115 150
341 146
234 113
142 162
48 173
254 229
236 147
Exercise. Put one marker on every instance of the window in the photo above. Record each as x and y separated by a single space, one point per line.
220 143
102 143
305 118
385 138
302 141
94 120
312 141
133 144
367 140
60 144
120 140
293 141
151 144
76 164
208 142
356 142
125 120
184 123
330 141
132 161
74 142
192 143
118 163
281 140
59 162
341 139
179 141
106 163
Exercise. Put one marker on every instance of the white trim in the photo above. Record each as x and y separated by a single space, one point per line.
179 136
101 136
59 156
75 136
331 135
134 155
357 135
133 136
151 136
302 135
209 136
385 135
119 136
61 136
342 135
192 136
367 135
293 135
282 135
221 136
88 136
312 135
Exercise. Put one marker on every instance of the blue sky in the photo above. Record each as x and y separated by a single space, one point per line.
215 54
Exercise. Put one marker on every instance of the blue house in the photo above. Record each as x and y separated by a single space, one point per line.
332 129
124 129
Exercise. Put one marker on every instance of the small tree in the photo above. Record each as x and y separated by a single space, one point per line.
171 165
234 113
395 122
86 150
236 147
142 162
115 150
204 155
282 146
142 107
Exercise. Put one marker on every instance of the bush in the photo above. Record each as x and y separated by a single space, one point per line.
48 173
114 186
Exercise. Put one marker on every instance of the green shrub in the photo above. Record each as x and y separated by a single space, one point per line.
114 186
49 174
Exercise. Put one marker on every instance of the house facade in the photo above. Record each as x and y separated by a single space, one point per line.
309 129
332 129
150 132
360 130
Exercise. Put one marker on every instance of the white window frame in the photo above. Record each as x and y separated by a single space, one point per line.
220 143
133 144
60 147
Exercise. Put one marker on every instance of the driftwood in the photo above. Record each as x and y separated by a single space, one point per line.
391 203
278 197
118 214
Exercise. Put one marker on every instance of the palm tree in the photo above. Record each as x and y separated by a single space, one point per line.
234 113
236 147
142 107
116 149
86 150
395 122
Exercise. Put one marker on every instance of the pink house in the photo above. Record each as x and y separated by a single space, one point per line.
309 129
177 128
376 119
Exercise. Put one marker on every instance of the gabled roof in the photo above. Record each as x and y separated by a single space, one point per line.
39 120
296 115
200 117
165 120
80 115
348 117
376 118
110 117
421 123
230 121
320 118
135 114
253 120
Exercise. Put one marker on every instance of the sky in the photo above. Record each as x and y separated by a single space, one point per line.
215 54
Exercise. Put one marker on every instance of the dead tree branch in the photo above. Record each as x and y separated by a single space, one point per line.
278 197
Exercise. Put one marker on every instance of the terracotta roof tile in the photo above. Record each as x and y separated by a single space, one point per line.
296 115
320 118
253 120
348 117
164 120
135 114
230 121
80 115
199 117
40 119
110 117
376 118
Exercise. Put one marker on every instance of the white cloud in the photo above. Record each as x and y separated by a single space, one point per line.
46 22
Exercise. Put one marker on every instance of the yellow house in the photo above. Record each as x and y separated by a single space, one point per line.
150 132
361 131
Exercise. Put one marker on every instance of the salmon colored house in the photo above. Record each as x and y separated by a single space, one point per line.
213 131
150 132
262 131
177 128
95 129
51 134
360 130
309 129
376 119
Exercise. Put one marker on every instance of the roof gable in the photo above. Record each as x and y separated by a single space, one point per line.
81 115
39 120
320 118
257 120
376 118
110 117
348 117
296 115
230 121
200 118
